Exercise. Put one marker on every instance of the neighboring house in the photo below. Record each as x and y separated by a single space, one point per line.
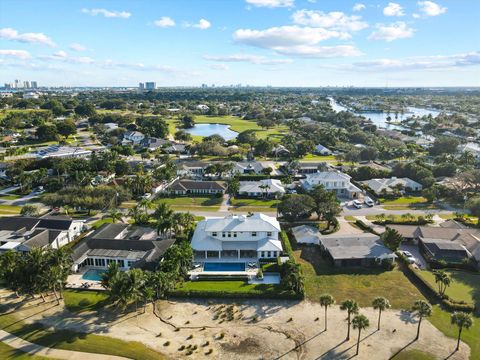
152 143
248 168
192 169
132 137
237 237
186 187
311 167
128 247
202 107
389 185
434 240
25 233
334 181
176 148
102 178
322 150
472 148
355 250
57 151
110 126
265 188
280 151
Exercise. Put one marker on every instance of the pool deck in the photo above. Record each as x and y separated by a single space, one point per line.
75 281
249 272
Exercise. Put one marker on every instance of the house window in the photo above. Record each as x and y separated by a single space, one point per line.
224 234
235 234
229 234
268 254
263 254
269 233
254 233
214 234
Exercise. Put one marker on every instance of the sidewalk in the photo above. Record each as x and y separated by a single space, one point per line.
34 349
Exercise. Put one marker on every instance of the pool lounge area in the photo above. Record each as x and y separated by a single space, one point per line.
86 278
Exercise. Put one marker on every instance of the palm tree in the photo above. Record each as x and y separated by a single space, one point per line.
145 203
114 214
422 309
443 280
360 322
462 320
351 306
381 304
326 300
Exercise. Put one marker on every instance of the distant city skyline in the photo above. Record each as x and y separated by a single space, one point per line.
256 42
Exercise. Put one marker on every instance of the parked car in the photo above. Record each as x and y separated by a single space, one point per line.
368 201
357 204
410 258
147 196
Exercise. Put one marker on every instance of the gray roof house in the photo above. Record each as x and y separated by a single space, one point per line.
355 250
129 247
25 233
388 185
251 167
184 187
266 187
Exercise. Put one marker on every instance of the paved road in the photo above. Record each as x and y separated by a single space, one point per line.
34 349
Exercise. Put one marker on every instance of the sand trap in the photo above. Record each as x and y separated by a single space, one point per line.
258 329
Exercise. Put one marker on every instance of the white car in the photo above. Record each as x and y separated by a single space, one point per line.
369 202
147 196
410 258
357 204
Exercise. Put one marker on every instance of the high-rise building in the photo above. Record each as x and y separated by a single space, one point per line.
33 84
26 84
150 85
141 86
17 84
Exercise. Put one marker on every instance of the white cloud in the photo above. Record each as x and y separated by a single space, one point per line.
202 24
14 35
271 3
77 47
336 20
296 41
429 8
222 67
358 7
107 13
418 63
253 59
391 32
61 54
393 9
164 22
19 54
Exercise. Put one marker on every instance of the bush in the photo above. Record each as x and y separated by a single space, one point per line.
287 247
259 274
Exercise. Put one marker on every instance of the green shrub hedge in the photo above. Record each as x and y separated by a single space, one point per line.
287 247
448 303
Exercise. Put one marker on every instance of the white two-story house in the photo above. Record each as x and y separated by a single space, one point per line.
335 181
133 137
237 237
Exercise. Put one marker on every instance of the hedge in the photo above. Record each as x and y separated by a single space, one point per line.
251 294
365 227
287 247
449 304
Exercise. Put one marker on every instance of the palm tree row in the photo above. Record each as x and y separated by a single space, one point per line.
135 285
421 309
38 272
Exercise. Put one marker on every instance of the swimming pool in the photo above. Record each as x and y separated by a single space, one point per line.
219 266
93 275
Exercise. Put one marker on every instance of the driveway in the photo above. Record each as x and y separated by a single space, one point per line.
413 249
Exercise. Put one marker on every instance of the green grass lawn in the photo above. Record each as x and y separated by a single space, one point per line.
253 205
192 203
236 124
441 320
9 353
413 355
78 300
100 222
69 340
465 286
407 202
361 284
229 287
10 197
319 158
10 209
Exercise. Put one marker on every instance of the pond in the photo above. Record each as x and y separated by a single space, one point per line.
211 129
380 118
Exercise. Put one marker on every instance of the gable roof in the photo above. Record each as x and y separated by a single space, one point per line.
275 186
185 185
256 222
361 246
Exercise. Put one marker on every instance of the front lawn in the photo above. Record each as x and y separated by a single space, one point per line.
253 205
70 340
413 355
441 320
465 285
361 284
229 288
78 300
192 203
10 353
10 210
407 202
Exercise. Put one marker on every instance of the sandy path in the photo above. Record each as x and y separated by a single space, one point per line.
259 329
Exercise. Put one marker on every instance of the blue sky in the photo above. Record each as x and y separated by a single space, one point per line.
255 42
